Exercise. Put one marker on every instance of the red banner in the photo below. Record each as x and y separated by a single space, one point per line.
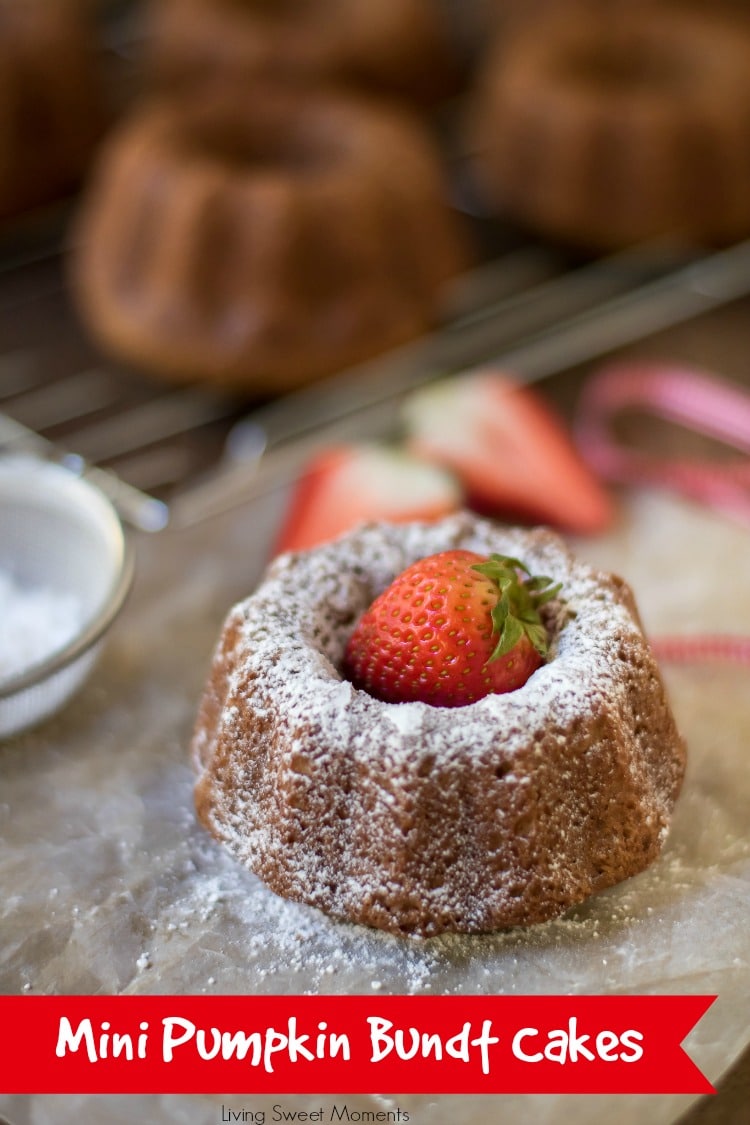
349 1044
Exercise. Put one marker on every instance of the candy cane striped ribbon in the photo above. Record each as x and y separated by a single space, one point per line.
698 401
689 397
690 649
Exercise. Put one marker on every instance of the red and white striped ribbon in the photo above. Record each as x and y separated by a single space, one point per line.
689 397
700 648
699 401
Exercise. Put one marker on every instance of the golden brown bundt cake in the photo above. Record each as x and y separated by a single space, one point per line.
399 46
607 128
421 819
264 241
50 100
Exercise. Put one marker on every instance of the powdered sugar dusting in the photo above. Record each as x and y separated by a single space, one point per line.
517 806
35 622
408 718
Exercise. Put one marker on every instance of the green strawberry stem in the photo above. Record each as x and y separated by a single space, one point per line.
516 613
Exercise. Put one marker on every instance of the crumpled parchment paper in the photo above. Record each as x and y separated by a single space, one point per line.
110 886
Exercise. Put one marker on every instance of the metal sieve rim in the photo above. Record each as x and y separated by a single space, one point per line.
88 637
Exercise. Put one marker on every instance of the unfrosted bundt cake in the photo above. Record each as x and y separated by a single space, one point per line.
50 100
401 47
607 125
264 241
417 818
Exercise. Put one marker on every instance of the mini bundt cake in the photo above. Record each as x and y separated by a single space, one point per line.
607 125
50 100
400 47
417 818
262 242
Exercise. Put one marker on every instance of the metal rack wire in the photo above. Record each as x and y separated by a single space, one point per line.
170 456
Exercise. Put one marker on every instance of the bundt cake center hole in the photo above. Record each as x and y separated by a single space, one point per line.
621 68
276 147
277 10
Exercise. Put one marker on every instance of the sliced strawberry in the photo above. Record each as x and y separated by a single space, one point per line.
509 450
348 484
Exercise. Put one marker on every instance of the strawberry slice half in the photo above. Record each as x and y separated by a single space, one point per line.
350 484
509 450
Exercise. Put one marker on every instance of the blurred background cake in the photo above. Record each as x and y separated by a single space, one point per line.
51 105
271 209
261 240
603 125
281 195
401 47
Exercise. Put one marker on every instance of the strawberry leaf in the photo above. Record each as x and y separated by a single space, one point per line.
511 634
516 613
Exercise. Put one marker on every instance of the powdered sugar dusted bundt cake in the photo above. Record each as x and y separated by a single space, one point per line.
423 819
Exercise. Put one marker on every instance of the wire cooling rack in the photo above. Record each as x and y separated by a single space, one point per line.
170 455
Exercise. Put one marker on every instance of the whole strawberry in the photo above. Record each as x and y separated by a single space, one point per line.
451 629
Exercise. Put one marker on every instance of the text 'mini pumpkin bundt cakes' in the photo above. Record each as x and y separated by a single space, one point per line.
420 818
605 125
264 240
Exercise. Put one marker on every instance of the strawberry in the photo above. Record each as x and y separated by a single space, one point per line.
348 484
451 629
509 450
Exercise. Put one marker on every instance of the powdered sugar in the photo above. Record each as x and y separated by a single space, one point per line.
35 622
330 794
408 718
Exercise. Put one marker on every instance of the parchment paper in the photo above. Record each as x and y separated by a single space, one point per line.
109 885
